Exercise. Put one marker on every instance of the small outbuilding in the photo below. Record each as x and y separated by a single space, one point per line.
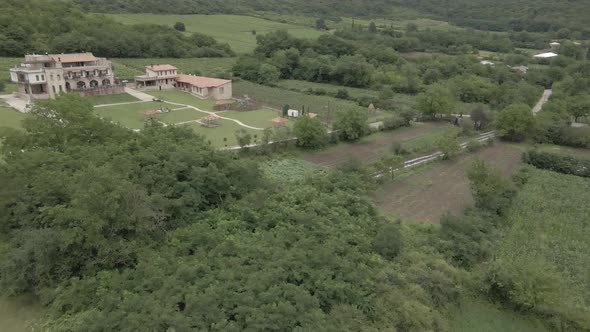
293 113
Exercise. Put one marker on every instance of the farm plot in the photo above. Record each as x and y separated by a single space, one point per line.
278 97
550 220
372 148
424 196
238 31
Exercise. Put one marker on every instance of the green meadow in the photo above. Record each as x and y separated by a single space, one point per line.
235 30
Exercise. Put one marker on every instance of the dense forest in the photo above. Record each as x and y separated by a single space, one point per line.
59 26
501 15
154 230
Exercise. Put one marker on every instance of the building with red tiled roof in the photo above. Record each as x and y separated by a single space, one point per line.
166 77
48 75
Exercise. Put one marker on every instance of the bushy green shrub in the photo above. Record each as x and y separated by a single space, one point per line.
558 163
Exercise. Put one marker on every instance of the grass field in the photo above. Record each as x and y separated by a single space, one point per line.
426 194
550 221
479 316
9 117
564 150
129 68
302 86
130 116
235 30
256 118
21 314
111 99
227 129
278 97
176 96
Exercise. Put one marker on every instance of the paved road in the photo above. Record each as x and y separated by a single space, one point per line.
544 98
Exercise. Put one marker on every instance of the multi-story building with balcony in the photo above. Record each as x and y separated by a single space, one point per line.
46 76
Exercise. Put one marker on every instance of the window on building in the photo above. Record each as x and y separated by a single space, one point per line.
51 77
43 77
53 87
221 90
59 78
61 89
37 77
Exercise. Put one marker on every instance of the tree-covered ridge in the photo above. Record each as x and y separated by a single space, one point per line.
500 15
39 26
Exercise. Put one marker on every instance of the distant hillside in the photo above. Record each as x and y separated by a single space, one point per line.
54 26
501 15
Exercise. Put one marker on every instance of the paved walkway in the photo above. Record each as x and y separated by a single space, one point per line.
16 102
139 95
118 104
544 98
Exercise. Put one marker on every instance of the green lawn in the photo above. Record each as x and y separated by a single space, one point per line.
235 30
257 118
111 99
11 118
479 316
129 68
183 115
176 96
130 116
226 129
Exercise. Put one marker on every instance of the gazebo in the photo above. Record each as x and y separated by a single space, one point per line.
210 121
223 105
280 121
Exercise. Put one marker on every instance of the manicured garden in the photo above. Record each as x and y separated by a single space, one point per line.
111 99
129 115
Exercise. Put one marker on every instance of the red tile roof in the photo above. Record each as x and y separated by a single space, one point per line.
73 57
161 67
201 81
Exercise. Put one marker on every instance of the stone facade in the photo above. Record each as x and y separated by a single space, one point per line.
46 76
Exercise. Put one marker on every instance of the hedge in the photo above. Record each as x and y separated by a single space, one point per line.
558 163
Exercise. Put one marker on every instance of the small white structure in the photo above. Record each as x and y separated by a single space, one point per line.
545 55
554 44
487 63
293 113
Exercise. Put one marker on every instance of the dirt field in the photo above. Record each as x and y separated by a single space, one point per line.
370 151
426 195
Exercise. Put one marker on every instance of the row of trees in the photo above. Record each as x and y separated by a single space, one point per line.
59 26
